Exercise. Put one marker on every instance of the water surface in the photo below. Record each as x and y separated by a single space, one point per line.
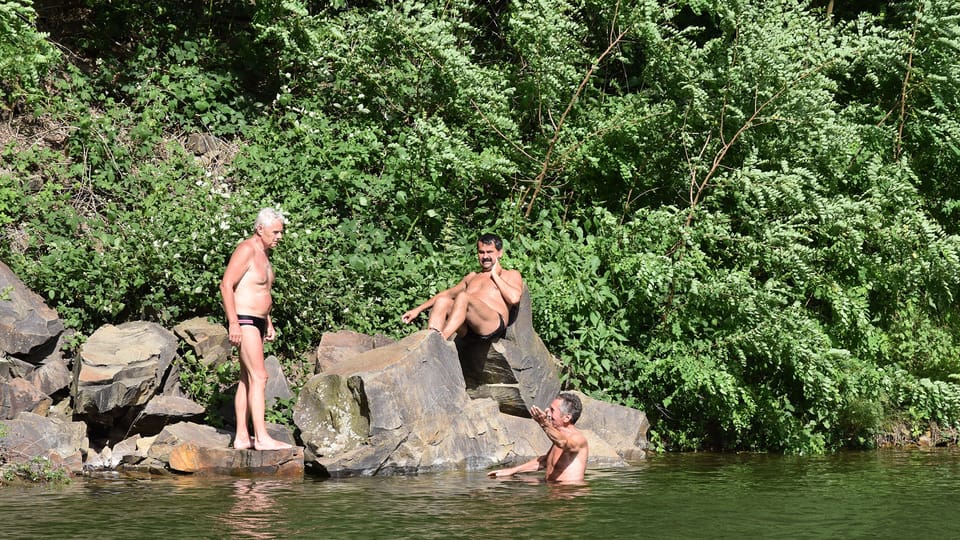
881 494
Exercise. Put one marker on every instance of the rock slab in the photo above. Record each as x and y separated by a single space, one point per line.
204 460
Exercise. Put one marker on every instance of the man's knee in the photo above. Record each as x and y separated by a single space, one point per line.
442 303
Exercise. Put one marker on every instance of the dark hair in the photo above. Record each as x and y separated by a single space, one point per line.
570 404
489 238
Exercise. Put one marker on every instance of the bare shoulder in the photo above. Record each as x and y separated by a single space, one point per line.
578 439
243 250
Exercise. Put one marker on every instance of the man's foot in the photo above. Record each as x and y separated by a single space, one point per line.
270 444
242 444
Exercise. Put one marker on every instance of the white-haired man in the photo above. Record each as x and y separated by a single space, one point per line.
246 291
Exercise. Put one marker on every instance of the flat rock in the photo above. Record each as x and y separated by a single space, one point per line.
192 458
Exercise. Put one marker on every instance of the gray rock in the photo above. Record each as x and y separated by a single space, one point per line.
52 376
30 435
277 385
210 341
186 432
14 368
121 366
163 410
517 370
20 395
623 428
29 329
372 413
339 346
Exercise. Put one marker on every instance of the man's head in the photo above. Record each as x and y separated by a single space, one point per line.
566 408
489 251
491 239
269 227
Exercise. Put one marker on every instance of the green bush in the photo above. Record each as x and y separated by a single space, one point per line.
25 55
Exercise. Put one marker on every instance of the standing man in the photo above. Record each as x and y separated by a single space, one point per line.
566 460
245 288
480 303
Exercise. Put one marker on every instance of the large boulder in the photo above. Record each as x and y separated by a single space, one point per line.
339 346
516 370
393 409
404 408
625 429
121 367
29 329
30 435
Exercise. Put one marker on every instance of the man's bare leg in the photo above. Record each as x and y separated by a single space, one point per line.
439 313
251 355
242 439
475 313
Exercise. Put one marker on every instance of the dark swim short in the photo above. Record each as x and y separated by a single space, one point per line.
498 333
249 320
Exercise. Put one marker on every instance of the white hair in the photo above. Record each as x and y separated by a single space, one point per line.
268 216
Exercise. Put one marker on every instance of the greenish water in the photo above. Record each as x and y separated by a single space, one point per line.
882 494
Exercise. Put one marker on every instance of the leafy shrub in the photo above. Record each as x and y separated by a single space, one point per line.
25 55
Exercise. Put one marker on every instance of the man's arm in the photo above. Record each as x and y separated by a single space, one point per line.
509 282
236 268
451 292
271 331
533 465
567 441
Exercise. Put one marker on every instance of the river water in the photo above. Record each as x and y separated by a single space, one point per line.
877 494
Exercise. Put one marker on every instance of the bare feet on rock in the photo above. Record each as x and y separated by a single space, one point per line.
245 444
270 444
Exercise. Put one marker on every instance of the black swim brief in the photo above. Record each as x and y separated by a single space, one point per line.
249 320
498 333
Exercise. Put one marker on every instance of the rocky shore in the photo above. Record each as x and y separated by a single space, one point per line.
372 406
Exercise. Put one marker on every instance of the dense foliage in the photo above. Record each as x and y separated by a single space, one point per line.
739 216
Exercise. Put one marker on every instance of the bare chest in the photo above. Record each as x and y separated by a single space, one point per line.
260 272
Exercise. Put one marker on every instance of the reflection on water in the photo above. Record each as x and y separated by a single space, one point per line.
885 494
254 513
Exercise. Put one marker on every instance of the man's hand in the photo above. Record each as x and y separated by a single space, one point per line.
540 416
233 331
409 316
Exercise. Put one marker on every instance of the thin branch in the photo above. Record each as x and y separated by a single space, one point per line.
538 181
898 146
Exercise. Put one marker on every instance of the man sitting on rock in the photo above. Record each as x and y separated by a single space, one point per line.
566 460
480 303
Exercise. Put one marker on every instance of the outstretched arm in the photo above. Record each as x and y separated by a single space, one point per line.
409 316
533 465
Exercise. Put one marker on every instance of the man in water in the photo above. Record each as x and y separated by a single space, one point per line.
480 303
245 288
566 460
